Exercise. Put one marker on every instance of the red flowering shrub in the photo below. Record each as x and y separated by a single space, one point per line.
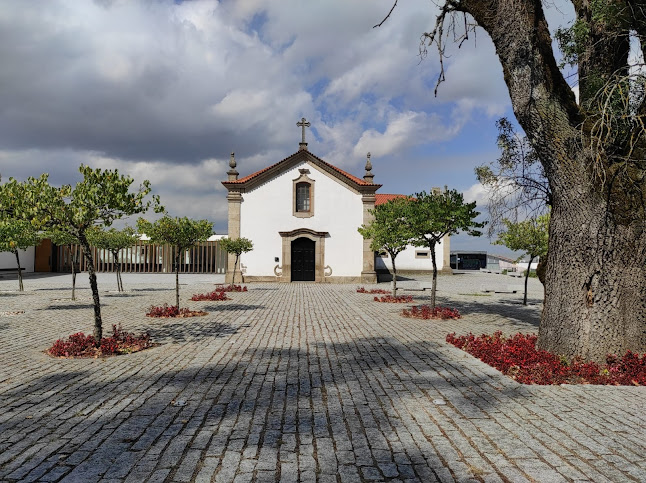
374 290
400 299
231 288
518 357
172 311
425 312
216 295
80 345
74 346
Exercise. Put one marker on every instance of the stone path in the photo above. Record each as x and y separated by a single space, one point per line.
294 382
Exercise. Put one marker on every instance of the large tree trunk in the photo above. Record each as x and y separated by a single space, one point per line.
20 286
596 277
98 324
595 284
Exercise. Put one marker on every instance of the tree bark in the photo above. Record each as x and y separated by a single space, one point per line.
529 268
234 269
118 265
98 323
177 279
595 277
73 250
431 246
394 275
20 286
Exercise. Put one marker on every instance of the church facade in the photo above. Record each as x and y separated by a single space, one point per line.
302 215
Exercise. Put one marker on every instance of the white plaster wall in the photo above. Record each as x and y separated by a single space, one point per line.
27 257
267 209
406 260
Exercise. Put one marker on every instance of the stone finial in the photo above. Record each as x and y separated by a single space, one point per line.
368 176
233 174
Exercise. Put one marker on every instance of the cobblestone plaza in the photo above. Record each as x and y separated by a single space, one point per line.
294 382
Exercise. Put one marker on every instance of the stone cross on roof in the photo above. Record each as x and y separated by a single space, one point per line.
303 124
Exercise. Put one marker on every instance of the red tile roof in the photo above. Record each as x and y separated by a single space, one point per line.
338 170
381 198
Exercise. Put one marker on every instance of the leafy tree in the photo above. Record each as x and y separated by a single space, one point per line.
592 152
180 233
60 238
529 236
237 247
388 232
102 197
16 235
433 216
114 241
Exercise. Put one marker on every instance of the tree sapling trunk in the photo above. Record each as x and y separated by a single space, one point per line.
73 251
394 275
98 323
234 269
20 287
177 279
434 289
118 265
529 267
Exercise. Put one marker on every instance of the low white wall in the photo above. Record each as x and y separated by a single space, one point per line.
406 260
8 260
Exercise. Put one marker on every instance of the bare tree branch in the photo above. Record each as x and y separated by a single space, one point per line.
387 16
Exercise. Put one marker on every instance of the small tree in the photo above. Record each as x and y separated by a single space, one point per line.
388 232
114 241
433 216
180 233
529 236
72 243
16 235
236 247
100 198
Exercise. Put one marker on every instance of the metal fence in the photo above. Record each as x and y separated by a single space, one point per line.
206 257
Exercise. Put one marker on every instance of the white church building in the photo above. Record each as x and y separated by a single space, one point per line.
302 215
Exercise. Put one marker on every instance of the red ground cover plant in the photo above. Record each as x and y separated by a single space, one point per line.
400 299
426 312
231 288
374 290
81 345
517 357
173 311
215 295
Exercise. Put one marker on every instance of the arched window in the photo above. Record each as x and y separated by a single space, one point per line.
303 197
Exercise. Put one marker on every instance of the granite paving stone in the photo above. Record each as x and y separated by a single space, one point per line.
294 382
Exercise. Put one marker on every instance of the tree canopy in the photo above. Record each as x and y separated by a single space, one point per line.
236 246
102 197
388 232
16 235
529 236
432 216
180 233
114 241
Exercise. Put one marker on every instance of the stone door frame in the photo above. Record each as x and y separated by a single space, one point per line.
318 237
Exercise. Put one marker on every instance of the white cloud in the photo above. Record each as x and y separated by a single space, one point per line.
478 193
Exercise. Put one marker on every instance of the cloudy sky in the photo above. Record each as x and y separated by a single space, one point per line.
165 90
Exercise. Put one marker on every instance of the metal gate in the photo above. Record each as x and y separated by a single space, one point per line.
206 257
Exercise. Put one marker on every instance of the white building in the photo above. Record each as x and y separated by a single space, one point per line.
302 215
